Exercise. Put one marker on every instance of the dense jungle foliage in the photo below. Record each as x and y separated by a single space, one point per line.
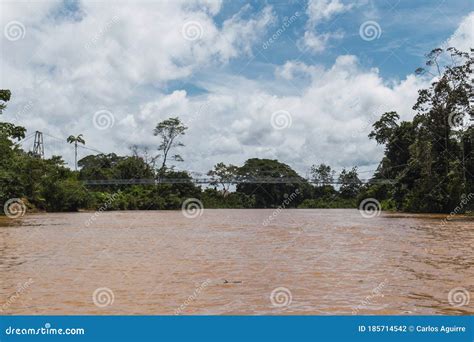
428 164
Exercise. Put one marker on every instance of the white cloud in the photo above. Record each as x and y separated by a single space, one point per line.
330 119
319 11
113 56
296 69
232 41
463 37
146 47
317 42
64 71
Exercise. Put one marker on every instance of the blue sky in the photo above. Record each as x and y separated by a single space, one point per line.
308 96
409 29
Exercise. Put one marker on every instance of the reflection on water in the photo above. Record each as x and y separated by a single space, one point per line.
228 262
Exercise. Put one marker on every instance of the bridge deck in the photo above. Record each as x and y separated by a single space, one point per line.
263 180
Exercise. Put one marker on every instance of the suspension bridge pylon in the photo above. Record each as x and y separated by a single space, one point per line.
38 146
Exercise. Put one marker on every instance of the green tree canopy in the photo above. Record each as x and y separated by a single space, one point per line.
169 130
350 184
271 195
223 175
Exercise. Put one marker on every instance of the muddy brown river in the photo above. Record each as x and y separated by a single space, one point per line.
309 262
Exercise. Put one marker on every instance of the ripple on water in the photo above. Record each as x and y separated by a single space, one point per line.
154 262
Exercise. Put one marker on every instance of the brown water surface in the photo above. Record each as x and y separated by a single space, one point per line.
228 262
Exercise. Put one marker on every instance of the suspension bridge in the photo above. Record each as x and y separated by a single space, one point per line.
210 180
56 144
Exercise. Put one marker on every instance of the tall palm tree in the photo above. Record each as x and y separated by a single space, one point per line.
72 139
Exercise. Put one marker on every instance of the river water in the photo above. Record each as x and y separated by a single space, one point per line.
318 262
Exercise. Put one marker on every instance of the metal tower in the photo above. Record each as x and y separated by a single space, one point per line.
38 147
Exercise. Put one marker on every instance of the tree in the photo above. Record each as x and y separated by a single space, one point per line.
8 130
130 167
11 182
100 166
441 111
223 175
322 175
443 106
169 130
175 194
397 138
261 178
5 95
76 140
111 166
45 184
143 152
431 158
383 128
350 183
65 195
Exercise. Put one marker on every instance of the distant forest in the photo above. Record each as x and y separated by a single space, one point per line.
429 160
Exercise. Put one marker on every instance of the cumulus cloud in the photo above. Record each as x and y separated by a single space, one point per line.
77 58
463 37
98 57
330 120
297 69
151 46
319 11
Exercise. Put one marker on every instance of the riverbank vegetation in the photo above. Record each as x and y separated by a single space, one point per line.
428 164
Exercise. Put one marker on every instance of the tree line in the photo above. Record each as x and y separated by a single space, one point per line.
429 160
